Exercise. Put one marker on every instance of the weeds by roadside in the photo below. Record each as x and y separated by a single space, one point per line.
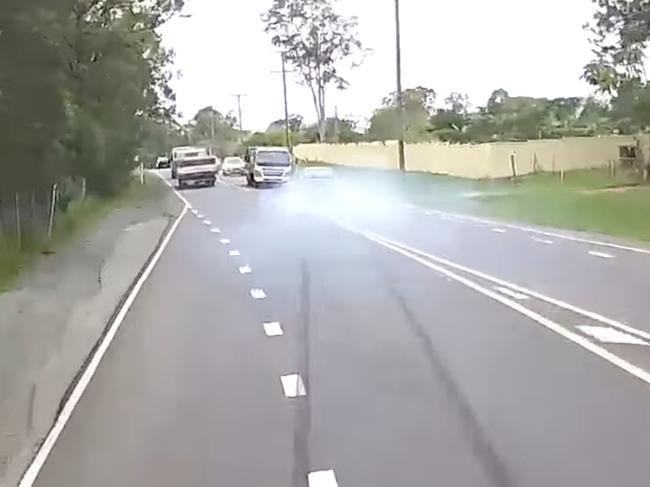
78 217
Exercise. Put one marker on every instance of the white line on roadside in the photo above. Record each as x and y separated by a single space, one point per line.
542 320
498 230
293 385
258 293
502 282
66 411
322 478
245 269
606 334
543 241
602 255
234 253
547 233
273 329
225 241
511 293
215 230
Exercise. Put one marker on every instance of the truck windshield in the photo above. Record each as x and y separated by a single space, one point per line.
273 158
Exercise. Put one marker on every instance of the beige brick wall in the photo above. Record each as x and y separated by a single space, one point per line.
474 161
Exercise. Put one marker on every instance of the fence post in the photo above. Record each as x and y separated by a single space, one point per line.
18 230
50 226
513 164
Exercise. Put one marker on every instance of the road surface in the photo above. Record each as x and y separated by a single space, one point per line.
422 349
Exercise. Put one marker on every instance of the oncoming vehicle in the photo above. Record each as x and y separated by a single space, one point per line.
195 167
162 162
269 165
233 166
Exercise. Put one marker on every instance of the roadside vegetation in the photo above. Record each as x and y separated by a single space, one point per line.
80 217
585 200
82 101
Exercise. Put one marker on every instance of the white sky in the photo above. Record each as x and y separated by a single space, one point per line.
528 47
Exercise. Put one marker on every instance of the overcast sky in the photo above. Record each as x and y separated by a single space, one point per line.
528 47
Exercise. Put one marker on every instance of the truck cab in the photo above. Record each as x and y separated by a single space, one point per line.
269 165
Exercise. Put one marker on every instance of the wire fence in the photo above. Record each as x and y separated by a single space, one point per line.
29 216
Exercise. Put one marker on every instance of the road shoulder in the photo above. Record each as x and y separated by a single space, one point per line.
55 317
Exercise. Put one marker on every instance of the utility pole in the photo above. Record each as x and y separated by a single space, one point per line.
400 97
287 137
241 124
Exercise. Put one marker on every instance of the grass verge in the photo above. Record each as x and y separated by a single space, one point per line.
79 217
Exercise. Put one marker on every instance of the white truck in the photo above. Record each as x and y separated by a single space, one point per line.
193 166
274 165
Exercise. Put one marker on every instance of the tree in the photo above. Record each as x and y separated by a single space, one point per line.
457 103
315 40
385 123
418 98
295 124
619 35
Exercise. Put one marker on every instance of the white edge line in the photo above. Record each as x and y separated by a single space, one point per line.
570 307
563 236
602 255
547 323
39 460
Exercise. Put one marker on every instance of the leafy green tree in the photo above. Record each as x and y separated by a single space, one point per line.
315 39
296 124
619 35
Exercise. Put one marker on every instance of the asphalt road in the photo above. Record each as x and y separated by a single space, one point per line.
433 351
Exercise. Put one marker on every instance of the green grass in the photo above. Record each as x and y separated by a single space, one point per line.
583 201
79 217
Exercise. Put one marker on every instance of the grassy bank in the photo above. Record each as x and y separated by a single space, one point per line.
586 200
79 217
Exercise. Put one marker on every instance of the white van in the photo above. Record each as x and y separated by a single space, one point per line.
273 165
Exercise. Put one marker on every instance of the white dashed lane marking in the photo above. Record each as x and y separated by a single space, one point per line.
234 253
245 270
258 293
498 230
602 255
606 334
215 230
225 241
511 293
207 223
200 216
273 329
293 385
322 478
543 241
